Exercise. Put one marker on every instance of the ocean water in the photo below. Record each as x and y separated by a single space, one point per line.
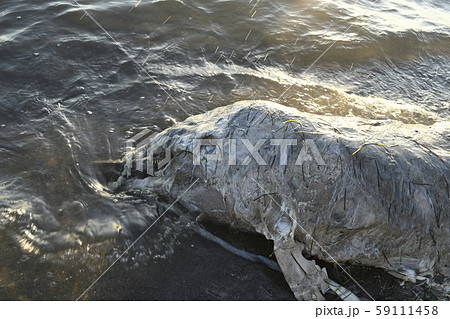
78 78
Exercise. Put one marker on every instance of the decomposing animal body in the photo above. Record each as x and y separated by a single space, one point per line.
318 186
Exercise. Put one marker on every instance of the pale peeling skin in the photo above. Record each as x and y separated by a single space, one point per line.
385 206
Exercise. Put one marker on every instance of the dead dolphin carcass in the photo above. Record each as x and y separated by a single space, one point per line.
320 186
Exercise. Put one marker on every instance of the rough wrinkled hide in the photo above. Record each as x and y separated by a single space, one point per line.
385 206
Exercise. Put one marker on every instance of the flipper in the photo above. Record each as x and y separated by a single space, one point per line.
342 292
305 278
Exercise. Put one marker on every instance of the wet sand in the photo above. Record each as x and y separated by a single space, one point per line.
202 270
198 270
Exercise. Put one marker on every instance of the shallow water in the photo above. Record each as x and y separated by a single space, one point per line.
71 96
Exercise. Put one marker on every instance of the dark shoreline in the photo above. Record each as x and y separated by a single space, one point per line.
202 270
